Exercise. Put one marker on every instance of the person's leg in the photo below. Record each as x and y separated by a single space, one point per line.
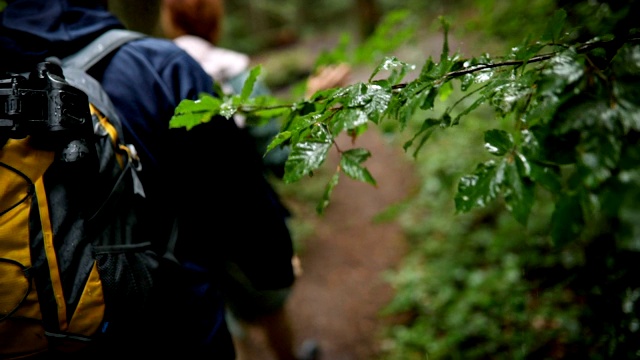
278 332
264 311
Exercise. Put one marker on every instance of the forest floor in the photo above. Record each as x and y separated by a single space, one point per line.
338 298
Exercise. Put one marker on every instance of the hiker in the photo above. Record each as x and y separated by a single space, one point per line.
195 26
208 180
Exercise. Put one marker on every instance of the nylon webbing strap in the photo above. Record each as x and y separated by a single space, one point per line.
100 47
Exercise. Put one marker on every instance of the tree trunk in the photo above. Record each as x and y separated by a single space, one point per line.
369 13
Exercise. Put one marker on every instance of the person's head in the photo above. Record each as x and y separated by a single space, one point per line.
202 18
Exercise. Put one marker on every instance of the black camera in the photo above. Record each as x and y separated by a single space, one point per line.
44 106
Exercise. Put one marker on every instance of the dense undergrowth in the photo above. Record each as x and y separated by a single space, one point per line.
480 284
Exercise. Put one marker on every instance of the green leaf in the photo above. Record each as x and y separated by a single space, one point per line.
584 114
480 188
518 190
561 71
507 96
626 65
267 113
423 140
279 139
416 95
306 156
600 156
427 128
190 113
542 146
373 98
567 220
397 68
445 90
498 142
347 119
553 32
530 144
300 123
350 163
323 94
445 45
427 70
524 53
467 80
249 83
547 176
490 180
432 71
429 97
328 190
627 94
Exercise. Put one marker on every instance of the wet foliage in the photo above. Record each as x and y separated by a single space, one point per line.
557 277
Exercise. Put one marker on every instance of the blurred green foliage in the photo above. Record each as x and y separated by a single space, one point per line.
252 26
138 15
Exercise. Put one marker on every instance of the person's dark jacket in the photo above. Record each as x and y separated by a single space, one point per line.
206 177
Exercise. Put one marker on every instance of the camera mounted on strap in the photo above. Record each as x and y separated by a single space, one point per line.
45 107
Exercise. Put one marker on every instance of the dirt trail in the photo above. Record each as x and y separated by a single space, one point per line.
337 299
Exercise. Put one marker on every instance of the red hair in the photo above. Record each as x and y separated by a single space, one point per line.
202 18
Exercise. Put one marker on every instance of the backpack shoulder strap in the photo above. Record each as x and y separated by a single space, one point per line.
100 47
76 66
75 69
